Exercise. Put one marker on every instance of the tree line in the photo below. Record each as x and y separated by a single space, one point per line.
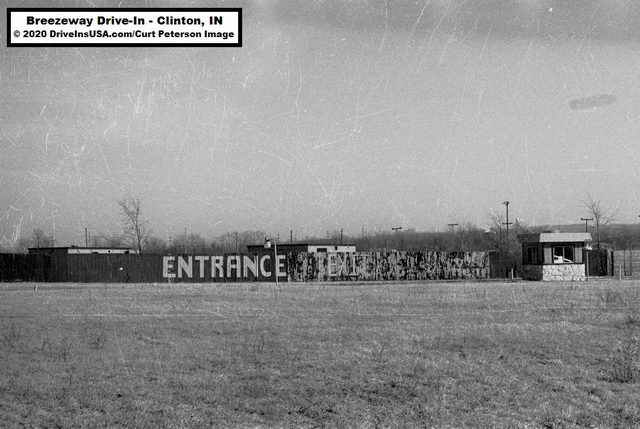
137 234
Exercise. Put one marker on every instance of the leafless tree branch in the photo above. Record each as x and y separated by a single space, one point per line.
601 215
134 225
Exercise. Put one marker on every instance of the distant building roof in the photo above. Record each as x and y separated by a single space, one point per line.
308 243
82 247
556 237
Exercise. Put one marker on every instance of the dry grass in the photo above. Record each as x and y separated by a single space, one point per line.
355 355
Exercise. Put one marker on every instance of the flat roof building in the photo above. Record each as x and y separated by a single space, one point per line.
75 250
309 247
554 255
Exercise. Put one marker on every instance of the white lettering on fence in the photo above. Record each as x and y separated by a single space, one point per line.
185 266
201 260
280 268
167 264
263 269
216 267
233 263
250 265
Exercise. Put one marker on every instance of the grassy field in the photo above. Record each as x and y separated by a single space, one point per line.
357 355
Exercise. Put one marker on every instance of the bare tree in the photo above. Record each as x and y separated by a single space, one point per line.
134 225
109 240
601 216
40 239
188 243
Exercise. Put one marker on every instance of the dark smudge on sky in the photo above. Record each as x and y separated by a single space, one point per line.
592 101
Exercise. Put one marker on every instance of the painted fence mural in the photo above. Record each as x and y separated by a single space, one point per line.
388 265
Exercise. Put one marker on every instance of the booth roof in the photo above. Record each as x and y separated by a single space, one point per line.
556 237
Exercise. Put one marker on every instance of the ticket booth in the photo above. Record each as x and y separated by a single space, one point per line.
554 255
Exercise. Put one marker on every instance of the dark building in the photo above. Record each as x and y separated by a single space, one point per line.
75 250
309 247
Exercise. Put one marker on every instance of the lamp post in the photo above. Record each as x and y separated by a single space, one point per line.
267 245
587 248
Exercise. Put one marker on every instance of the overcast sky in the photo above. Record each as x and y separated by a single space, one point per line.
333 114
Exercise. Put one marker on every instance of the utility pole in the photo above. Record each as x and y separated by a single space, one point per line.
452 229
86 237
236 234
586 252
397 230
586 223
507 223
291 236
341 235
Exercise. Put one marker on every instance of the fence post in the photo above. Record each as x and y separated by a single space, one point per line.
620 271
586 269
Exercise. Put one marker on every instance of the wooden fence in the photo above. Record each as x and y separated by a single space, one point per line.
626 263
299 267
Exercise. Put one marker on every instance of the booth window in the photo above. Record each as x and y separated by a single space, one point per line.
563 255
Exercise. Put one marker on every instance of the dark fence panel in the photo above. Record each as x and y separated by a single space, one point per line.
626 263
504 265
114 268
23 267
600 262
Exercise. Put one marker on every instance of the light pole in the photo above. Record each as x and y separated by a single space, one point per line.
587 248
267 245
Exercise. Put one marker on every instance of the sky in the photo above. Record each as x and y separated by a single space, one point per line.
333 114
